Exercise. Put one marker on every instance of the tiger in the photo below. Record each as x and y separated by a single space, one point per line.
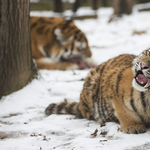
58 44
117 90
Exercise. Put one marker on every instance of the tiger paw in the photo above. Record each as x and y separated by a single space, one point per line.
134 129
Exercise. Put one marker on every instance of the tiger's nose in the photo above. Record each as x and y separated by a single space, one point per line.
89 54
143 65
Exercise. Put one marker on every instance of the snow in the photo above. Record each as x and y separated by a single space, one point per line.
22 118
34 1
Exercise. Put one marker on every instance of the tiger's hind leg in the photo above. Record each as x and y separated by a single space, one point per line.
85 108
46 63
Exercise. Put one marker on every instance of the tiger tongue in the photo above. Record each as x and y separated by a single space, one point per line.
142 79
81 64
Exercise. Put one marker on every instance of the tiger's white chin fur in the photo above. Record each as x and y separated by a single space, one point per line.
138 87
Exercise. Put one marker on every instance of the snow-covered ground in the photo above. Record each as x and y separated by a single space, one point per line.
23 124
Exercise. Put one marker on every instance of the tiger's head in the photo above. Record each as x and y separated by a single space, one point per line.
73 43
141 71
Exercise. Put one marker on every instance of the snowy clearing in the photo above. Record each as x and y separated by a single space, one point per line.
23 124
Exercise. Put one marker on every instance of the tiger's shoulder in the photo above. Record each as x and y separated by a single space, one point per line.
111 70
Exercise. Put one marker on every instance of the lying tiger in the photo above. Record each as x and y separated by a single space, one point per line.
59 44
117 90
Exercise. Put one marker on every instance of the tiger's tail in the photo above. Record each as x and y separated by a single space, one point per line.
72 108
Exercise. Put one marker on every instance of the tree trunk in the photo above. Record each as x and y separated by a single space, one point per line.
76 5
58 6
104 3
122 7
16 64
94 4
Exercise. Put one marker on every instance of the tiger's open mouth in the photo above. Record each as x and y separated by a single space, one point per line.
142 80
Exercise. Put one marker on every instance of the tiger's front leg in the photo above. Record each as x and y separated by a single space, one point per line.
130 122
46 63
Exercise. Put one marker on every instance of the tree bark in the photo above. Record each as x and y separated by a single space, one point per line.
16 64
76 5
122 7
58 6
94 4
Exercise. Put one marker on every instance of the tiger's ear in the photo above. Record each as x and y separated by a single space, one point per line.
62 38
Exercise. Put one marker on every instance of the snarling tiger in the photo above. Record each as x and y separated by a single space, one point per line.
59 44
117 90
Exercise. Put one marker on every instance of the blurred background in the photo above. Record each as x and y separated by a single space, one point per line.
70 7
112 27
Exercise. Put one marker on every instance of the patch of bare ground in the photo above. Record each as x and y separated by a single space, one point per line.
95 133
104 135
138 32
12 134
66 145
3 137
12 115
5 122
55 133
